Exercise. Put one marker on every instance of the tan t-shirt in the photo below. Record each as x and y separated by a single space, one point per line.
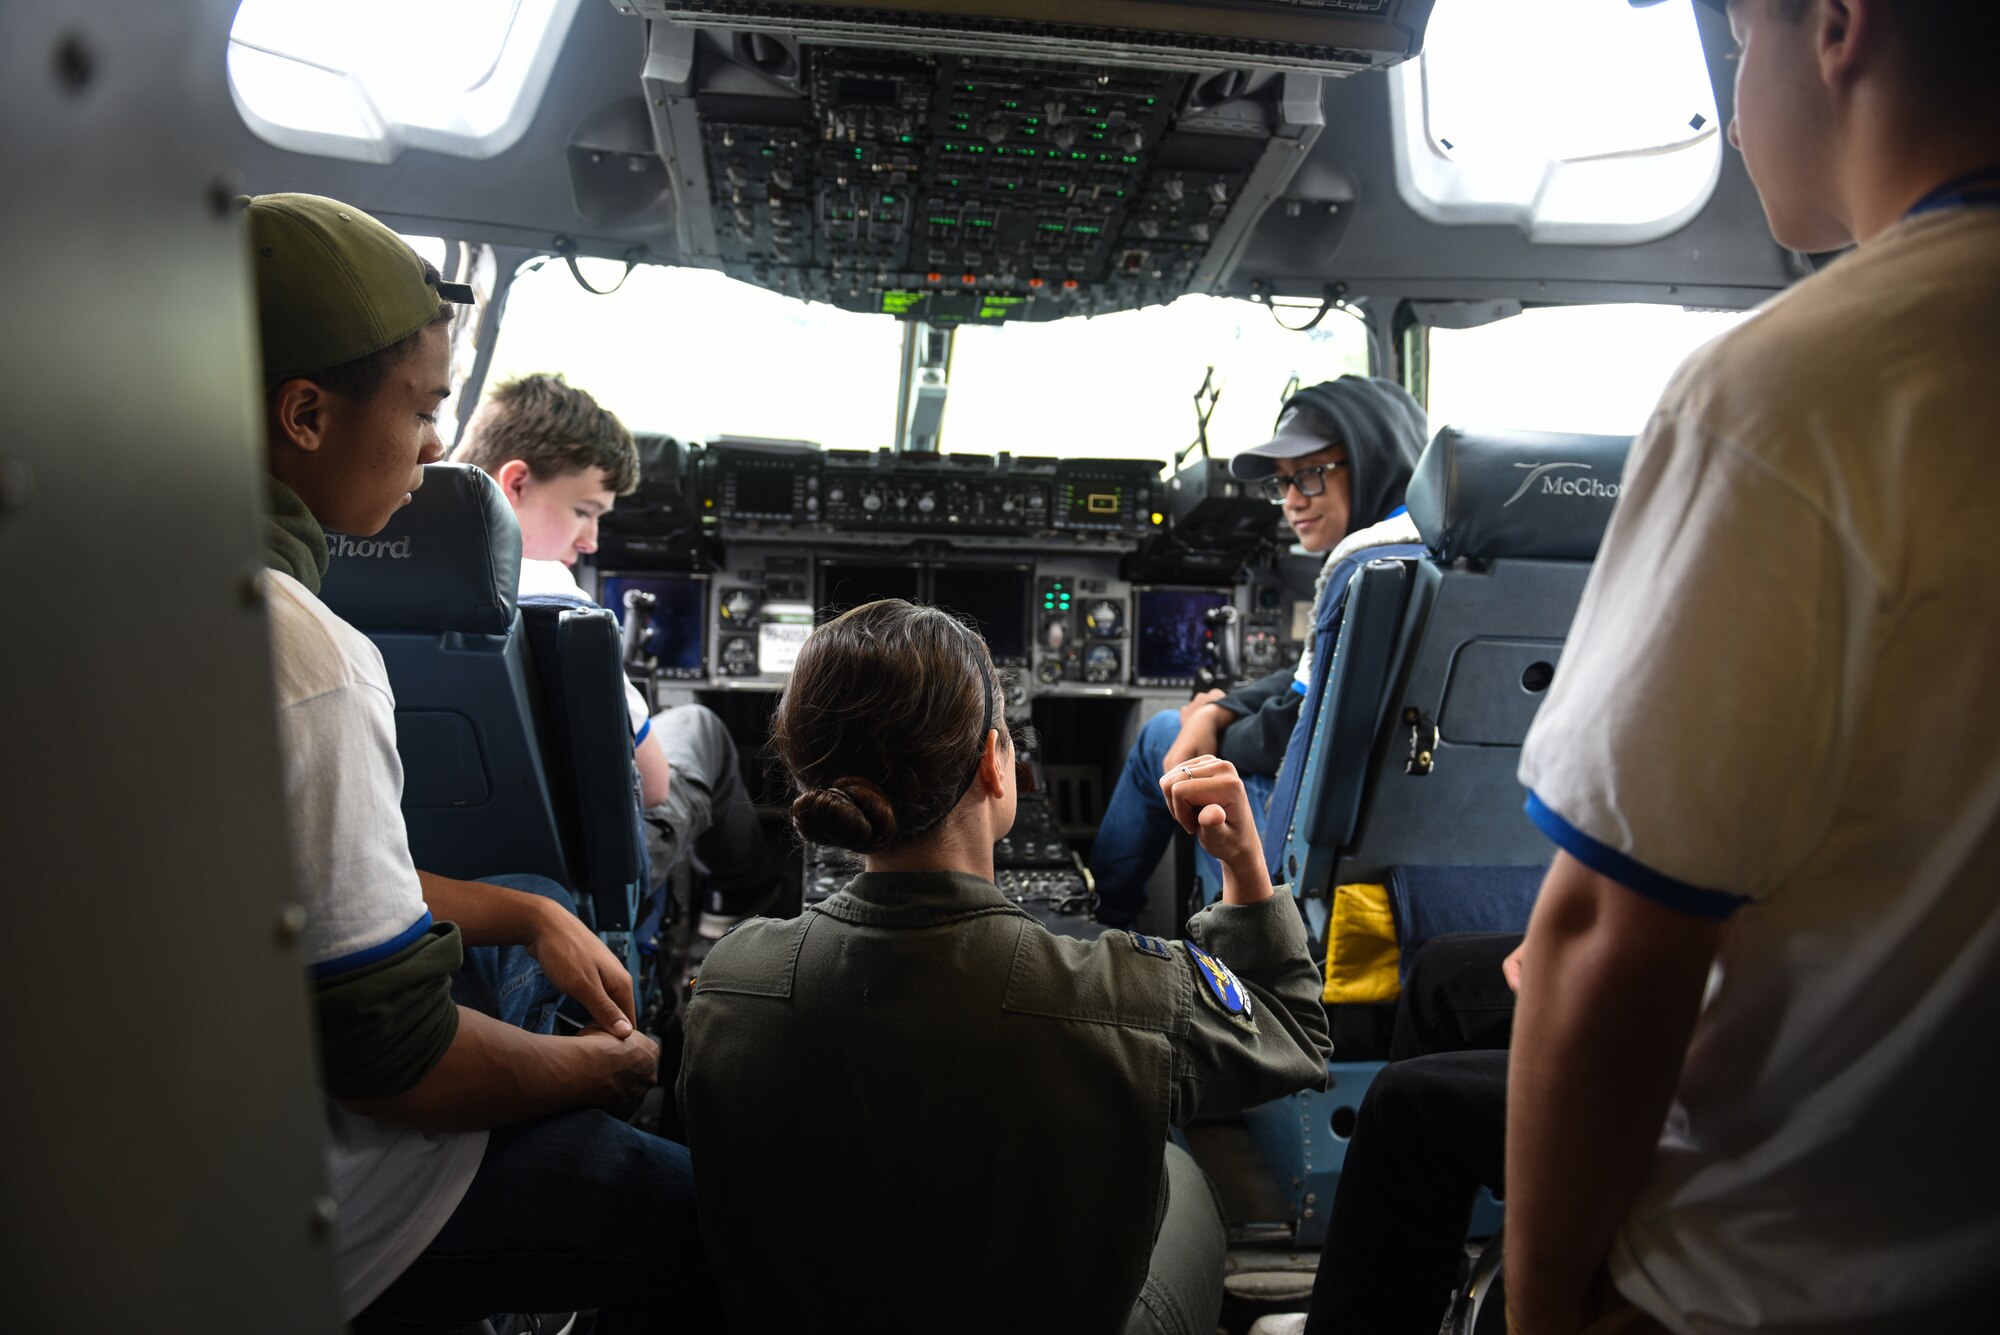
1780 705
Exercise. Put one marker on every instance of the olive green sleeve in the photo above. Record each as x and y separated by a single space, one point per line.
1258 1028
383 1026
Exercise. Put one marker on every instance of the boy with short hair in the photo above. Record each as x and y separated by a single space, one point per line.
1768 954
472 1169
562 462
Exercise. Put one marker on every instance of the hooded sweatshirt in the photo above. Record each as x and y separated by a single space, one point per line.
1384 430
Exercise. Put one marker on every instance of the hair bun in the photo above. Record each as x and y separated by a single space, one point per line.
851 813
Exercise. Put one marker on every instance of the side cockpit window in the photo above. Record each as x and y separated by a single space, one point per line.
464 77
1598 126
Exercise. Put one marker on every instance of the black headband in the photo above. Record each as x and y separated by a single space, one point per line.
987 689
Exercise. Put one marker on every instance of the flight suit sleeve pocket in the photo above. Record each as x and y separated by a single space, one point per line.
758 959
1114 980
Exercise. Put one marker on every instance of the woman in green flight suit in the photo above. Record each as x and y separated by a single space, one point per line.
914 1109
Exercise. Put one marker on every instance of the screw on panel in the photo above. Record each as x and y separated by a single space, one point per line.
291 923
76 64
223 191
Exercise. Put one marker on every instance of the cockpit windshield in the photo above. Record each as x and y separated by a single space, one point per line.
694 354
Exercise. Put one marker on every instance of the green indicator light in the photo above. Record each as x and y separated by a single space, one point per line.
981 148
1149 101
1011 106
1033 120
1053 227
1089 231
970 87
888 199
952 181
951 148
1104 125
1128 159
944 222
895 302
768 152
1078 157
857 155
1055 152
982 222
1056 585
1104 157
1098 137
1029 131
906 139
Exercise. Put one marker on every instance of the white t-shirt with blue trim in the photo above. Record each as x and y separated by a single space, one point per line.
395 1187
1780 706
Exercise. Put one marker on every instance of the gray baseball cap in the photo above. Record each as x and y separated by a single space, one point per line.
1301 431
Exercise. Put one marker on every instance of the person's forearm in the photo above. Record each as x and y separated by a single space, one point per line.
494 1074
1610 988
1245 883
1217 717
487 915
655 774
1200 734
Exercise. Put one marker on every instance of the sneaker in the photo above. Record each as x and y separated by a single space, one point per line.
715 926
548 1323
1283 1323
720 912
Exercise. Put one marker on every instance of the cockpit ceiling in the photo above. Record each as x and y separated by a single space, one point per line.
1297 36
992 163
948 176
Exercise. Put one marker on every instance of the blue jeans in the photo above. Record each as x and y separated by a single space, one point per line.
1137 827
572 1211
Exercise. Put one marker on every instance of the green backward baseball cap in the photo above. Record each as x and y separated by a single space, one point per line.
333 284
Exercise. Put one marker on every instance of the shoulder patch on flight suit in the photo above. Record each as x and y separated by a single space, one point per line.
1220 984
1150 945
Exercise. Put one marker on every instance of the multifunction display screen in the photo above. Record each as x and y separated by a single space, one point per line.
993 600
679 622
1171 631
845 584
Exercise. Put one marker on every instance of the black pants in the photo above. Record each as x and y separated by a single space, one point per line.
708 810
1432 1130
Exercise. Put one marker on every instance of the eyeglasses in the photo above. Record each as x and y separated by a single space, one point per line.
1309 481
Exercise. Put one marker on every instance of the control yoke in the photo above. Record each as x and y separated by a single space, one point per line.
639 609
1218 650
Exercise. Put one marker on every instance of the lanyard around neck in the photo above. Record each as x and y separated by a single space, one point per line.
1974 188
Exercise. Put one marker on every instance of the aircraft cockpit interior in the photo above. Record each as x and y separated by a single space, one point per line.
1268 367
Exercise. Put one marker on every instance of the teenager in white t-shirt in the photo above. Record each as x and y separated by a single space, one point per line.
1748 1084
562 462
473 1164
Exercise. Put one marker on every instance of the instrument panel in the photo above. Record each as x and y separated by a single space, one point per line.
1036 554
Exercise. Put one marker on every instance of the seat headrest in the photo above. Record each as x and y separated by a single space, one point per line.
1492 494
450 560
